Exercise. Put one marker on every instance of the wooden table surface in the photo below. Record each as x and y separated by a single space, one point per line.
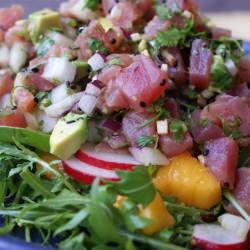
226 13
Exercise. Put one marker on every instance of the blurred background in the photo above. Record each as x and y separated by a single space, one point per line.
230 14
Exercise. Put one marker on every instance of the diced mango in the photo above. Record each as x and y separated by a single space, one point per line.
158 213
48 158
189 181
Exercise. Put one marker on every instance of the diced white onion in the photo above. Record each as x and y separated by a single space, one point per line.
96 62
135 37
60 39
81 13
58 109
59 93
230 65
164 67
91 89
59 69
116 12
87 104
18 56
31 121
21 80
148 156
4 55
46 123
162 127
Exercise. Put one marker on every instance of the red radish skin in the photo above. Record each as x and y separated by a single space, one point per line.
106 160
205 245
86 173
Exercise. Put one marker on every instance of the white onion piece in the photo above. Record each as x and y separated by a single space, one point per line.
231 222
87 104
5 100
148 156
58 109
96 62
4 55
81 13
18 56
31 121
230 65
91 89
162 127
59 93
60 39
58 70
21 80
47 123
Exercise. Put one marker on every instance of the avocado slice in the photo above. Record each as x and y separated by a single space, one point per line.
25 136
68 135
42 21
82 68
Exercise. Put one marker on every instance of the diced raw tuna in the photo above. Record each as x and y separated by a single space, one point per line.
177 73
131 126
206 132
15 120
24 99
109 74
172 107
156 25
222 159
40 83
242 190
200 64
142 82
230 108
218 32
170 147
6 81
244 71
9 16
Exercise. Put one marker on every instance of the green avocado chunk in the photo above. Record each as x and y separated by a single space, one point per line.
68 135
82 68
25 136
42 21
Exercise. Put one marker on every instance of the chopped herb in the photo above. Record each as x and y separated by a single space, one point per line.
72 23
203 122
44 46
97 45
115 61
163 12
145 140
178 129
221 76
91 4
41 95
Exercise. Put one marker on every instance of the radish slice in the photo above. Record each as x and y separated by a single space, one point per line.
87 173
215 237
149 156
106 160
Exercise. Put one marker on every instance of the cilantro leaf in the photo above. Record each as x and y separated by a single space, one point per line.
177 128
222 78
163 12
145 140
92 4
44 46
136 185
97 45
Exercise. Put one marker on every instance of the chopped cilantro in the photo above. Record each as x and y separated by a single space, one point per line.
44 46
115 61
163 12
97 45
222 78
91 4
41 95
145 140
178 128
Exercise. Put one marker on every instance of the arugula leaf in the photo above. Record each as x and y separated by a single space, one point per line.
97 45
92 4
136 185
163 12
145 140
222 78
